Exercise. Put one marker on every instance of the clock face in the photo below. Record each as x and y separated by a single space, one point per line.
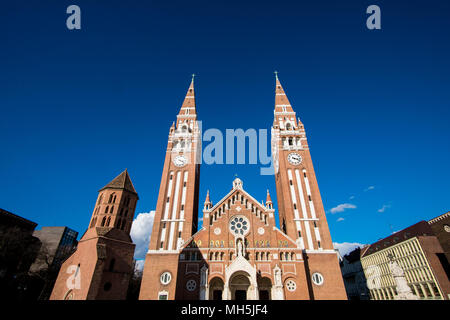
180 161
294 158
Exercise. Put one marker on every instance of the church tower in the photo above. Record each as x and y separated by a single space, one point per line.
301 213
101 266
177 206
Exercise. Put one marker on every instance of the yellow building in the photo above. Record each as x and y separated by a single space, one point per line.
415 250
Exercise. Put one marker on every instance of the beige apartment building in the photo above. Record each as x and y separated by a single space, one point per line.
416 250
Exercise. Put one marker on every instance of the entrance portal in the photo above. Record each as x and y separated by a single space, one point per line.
215 289
239 286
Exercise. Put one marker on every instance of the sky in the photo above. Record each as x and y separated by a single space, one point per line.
80 106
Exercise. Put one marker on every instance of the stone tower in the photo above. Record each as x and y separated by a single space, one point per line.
301 213
101 266
177 207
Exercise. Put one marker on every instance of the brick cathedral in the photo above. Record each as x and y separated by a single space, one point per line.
238 254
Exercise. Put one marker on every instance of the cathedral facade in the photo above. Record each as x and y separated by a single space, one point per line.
239 253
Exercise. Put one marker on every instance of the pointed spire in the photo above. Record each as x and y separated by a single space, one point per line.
122 181
282 103
208 204
268 199
188 106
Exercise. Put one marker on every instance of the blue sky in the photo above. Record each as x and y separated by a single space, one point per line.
78 107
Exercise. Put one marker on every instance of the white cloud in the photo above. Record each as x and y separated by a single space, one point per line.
340 219
140 233
352 197
384 207
346 247
342 207
369 188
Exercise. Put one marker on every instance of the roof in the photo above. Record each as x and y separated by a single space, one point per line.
421 228
122 181
439 218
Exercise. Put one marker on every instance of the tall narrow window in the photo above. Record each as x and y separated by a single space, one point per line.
103 221
106 209
112 209
108 221
111 265
124 222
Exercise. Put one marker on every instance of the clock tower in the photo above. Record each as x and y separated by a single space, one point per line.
301 213
177 206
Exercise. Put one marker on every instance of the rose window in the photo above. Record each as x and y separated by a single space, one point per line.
239 225
291 285
191 285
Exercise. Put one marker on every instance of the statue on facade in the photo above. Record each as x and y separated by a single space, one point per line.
240 248
404 292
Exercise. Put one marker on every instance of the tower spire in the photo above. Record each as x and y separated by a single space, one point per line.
188 107
282 103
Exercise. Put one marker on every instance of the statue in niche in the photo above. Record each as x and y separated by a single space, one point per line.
203 276
240 248
277 273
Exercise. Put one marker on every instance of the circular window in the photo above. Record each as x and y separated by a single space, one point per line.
239 225
165 278
447 227
317 278
291 285
107 286
191 285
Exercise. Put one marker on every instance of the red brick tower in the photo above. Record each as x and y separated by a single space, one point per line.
177 207
101 266
301 213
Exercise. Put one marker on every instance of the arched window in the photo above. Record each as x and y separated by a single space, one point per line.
124 222
92 223
100 199
112 209
118 224
108 221
126 213
114 199
110 197
288 126
121 212
103 221
106 209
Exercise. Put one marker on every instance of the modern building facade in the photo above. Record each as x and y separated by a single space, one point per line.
354 278
57 243
416 250
441 229
101 267
239 253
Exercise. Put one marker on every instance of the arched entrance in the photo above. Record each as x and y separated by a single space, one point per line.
239 286
265 288
215 289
